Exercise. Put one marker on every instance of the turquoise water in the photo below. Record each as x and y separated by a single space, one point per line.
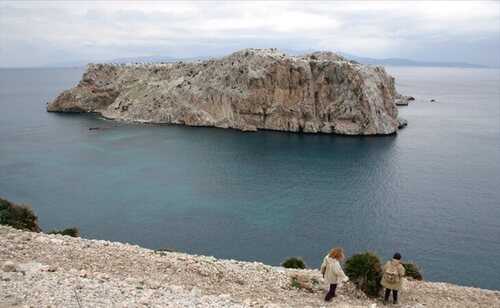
431 192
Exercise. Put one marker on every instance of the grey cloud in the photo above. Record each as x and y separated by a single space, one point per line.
104 30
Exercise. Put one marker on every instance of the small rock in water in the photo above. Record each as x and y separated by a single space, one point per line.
402 122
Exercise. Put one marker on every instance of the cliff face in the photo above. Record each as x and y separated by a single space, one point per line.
248 90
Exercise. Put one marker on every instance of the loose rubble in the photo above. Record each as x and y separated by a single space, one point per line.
40 270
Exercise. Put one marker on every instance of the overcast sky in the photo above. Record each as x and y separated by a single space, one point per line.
35 33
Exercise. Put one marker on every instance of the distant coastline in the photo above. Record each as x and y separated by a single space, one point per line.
409 62
170 59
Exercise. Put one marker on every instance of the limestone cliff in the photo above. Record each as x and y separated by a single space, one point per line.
247 90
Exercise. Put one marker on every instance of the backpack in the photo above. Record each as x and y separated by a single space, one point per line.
391 274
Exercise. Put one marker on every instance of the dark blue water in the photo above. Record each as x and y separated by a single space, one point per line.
432 192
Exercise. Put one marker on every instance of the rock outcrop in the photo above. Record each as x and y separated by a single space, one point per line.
247 90
40 270
402 100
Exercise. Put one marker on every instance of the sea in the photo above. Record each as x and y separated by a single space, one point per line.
430 192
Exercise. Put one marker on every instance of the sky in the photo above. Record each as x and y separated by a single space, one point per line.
35 33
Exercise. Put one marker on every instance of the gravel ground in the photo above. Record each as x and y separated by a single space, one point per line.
40 270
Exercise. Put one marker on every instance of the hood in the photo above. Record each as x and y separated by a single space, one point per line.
395 262
329 259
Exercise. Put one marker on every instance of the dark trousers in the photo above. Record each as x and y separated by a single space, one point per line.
331 292
394 295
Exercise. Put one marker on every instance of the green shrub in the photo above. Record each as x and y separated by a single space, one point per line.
295 283
365 271
162 252
3 217
294 262
73 232
412 271
18 216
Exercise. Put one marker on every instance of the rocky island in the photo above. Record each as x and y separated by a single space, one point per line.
248 90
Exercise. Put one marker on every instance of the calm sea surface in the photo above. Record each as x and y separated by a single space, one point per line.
431 192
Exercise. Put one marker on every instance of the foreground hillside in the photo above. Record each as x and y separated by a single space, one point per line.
52 270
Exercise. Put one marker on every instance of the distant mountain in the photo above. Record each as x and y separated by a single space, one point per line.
406 62
76 63
364 60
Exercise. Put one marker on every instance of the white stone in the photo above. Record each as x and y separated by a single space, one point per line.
84 273
195 292
176 289
130 281
29 267
8 266
52 268
56 241
42 239
102 277
7 276
143 301
151 283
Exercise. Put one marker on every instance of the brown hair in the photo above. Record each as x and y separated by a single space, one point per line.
337 253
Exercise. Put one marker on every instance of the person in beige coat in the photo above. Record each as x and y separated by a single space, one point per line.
332 271
392 277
